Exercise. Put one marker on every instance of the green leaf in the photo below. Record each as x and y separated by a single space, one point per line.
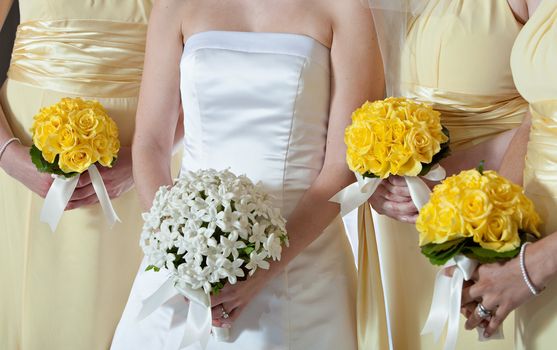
439 254
481 167
44 166
486 256
152 267
217 287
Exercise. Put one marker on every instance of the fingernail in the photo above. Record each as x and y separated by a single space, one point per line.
227 325
487 335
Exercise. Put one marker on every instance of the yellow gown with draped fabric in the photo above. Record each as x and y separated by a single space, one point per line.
457 58
534 65
66 290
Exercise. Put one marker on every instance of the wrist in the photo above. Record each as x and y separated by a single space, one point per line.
540 266
11 156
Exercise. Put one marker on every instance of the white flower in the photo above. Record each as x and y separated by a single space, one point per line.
257 260
273 246
230 245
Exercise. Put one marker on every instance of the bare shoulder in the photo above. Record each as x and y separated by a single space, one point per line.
350 13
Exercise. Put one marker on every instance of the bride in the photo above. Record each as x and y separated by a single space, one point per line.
267 89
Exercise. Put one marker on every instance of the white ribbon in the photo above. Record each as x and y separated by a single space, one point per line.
198 324
359 192
61 191
445 305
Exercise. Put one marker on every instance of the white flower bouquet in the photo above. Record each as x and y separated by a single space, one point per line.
210 228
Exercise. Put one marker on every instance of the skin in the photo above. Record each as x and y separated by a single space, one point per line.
392 197
16 162
344 26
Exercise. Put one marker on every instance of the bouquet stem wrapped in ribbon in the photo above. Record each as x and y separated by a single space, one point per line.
395 136
474 217
69 138
209 229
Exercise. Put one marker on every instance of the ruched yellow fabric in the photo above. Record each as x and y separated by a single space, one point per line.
472 119
67 290
80 56
534 68
457 58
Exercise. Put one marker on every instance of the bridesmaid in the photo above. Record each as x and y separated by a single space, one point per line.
455 56
67 290
502 287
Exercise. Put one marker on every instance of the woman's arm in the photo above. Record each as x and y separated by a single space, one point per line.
16 161
357 76
159 102
5 7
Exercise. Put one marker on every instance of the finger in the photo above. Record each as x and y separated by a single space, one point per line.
84 180
449 271
495 322
468 309
473 321
82 203
402 191
226 294
82 193
470 295
400 209
397 181
395 198
234 314
409 219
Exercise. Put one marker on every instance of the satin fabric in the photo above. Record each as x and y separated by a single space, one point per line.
455 57
535 73
258 103
67 290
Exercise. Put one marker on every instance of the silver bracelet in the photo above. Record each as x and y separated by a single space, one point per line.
6 144
534 290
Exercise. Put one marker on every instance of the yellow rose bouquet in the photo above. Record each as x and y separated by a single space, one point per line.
69 138
471 218
395 136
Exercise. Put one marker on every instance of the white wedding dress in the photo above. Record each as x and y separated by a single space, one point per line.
258 103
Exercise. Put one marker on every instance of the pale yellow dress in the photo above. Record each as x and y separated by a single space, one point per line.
534 64
66 290
456 57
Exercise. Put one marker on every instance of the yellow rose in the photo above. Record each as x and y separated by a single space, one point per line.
41 133
398 131
440 224
501 233
359 138
402 162
85 122
475 206
112 128
501 191
422 145
77 159
67 138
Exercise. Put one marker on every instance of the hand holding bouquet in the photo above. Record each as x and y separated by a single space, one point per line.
474 217
211 228
69 138
395 136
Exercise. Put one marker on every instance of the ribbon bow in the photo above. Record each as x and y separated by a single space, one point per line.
198 323
445 306
61 191
359 192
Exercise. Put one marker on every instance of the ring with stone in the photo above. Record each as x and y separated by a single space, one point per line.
225 314
483 313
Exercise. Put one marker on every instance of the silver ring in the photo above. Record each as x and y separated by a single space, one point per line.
225 314
483 313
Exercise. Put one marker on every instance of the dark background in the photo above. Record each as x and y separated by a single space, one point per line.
7 40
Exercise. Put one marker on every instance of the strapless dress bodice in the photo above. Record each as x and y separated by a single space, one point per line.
257 103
